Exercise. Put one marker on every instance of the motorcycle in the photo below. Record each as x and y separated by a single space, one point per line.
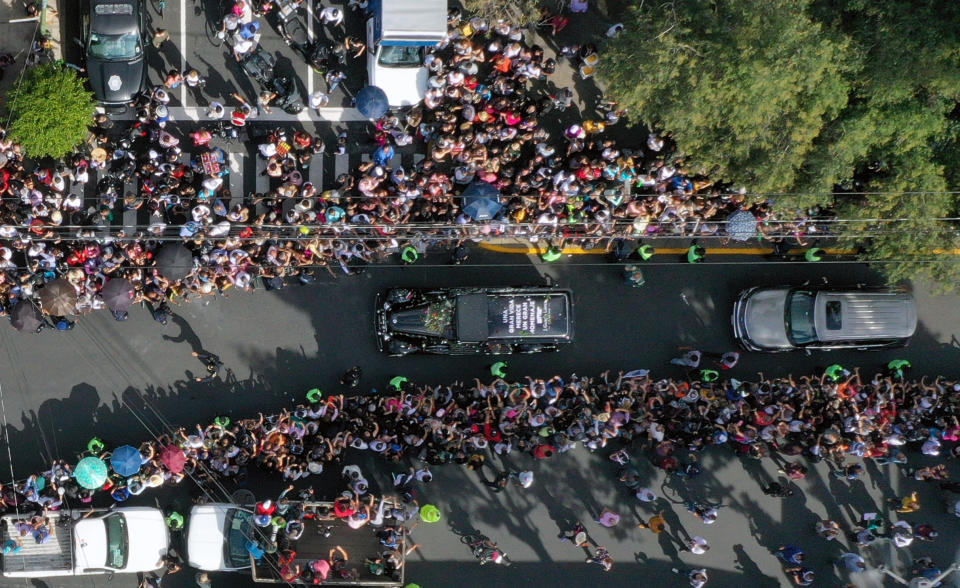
287 96
295 35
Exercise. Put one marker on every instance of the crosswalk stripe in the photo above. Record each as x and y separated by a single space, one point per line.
196 113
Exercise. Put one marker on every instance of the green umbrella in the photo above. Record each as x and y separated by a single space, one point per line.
429 513
91 472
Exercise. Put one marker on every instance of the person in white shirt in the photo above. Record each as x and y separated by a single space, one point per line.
331 15
698 545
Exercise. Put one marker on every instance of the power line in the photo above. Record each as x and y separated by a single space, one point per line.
467 265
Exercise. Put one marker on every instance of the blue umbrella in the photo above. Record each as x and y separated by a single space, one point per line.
481 201
372 102
126 460
741 225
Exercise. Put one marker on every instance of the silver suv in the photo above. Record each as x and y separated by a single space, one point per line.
784 318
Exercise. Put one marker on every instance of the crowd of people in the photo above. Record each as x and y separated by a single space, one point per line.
486 119
841 418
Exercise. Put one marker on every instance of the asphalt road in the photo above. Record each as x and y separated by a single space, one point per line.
192 25
121 380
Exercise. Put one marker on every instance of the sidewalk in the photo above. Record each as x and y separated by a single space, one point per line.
17 37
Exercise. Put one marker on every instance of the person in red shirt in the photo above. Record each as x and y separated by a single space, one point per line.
344 507
544 451
267 507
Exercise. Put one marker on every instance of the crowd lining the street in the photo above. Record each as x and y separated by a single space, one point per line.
842 418
485 120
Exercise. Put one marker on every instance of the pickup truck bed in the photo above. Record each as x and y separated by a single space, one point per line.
48 559
360 544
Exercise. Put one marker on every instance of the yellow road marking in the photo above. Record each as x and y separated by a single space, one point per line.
532 250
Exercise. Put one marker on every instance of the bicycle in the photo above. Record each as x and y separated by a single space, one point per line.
485 550
214 28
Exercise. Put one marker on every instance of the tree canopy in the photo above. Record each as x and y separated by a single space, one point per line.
797 100
50 111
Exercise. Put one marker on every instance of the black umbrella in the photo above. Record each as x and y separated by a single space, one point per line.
481 201
372 102
59 297
174 261
25 317
118 294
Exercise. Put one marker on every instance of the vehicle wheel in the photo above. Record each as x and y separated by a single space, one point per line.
533 348
213 33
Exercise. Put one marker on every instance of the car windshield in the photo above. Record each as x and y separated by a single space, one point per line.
799 317
400 56
239 531
125 46
116 527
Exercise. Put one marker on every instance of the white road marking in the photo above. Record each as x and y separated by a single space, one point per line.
196 113
183 49
310 35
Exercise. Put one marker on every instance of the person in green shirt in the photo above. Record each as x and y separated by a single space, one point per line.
897 367
834 372
552 254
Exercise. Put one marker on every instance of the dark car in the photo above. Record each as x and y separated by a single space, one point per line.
114 50
784 318
472 321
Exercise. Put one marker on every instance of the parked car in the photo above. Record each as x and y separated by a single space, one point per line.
399 34
786 318
114 50
471 321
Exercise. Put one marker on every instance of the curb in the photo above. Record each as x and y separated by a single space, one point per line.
533 250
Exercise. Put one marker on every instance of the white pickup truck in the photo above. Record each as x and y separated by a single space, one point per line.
119 540
217 534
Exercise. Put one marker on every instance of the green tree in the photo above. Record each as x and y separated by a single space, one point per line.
50 111
745 86
805 98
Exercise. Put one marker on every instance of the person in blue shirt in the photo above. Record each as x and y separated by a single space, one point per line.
254 549
790 554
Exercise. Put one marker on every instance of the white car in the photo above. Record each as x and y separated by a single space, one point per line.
217 537
398 70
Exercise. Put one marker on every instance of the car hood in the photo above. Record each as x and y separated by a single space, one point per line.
404 86
149 538
206 537
763 318
116 82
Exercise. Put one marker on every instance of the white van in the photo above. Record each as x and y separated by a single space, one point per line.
399 33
